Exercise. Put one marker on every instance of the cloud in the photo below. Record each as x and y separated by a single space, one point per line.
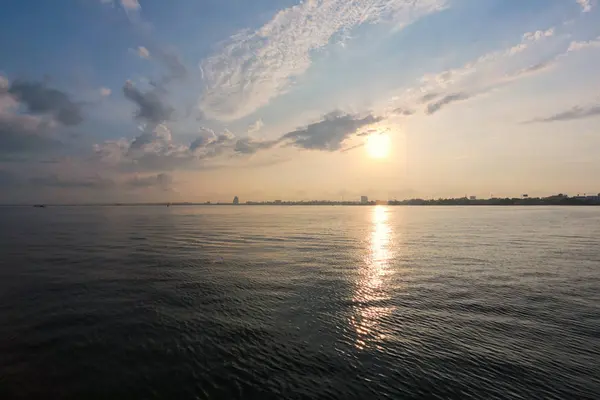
586 5
251 146
24 133
41 99
256 126
538 35
486 73
576 46
576 112
152 109
403 111
21 132
517 49
143 52
132 5
162 181
205 136
255 67
436 106
330 133
54 181
172 62
104 92
428 97
155 150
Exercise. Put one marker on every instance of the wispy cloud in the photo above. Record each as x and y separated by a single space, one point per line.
576 46
485 73
577 112
255 67
434 107
403 111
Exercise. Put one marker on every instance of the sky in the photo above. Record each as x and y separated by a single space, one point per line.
204 100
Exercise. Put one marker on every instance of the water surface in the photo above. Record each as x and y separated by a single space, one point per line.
300 302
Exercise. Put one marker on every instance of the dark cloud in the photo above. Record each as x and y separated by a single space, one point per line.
22 133
436 106
576 112
369 132
329 133
249 146
15 138
41 99
173 63
428 97
403 111
95 182
161 181
151 108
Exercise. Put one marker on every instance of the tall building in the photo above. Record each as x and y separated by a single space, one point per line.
236 200
364 199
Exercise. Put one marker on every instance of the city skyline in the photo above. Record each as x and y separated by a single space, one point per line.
131 100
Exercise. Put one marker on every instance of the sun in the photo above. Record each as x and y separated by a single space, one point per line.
378 145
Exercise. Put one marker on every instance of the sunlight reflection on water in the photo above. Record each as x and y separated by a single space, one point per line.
371 294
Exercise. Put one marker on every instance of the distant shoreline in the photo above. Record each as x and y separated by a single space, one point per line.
556 200
582 204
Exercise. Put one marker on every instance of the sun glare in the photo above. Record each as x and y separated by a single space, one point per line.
378 146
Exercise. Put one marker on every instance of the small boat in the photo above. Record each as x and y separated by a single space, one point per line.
39 205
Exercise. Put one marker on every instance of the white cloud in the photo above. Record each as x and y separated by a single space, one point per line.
143 52
105 92
576 46
130 4
537 35
517 49
484 74
254 67
256 126
586 5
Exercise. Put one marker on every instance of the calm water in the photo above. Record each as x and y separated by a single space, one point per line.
300 302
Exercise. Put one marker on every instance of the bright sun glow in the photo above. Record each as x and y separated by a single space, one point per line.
378 146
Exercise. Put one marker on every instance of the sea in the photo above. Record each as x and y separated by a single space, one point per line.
295 302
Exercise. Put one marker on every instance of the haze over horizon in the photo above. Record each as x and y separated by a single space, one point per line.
146 100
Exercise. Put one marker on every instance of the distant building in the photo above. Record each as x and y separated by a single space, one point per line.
472 197
236 200
364 199
277 201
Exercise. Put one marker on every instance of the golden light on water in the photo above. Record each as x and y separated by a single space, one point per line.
371 291
378 145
